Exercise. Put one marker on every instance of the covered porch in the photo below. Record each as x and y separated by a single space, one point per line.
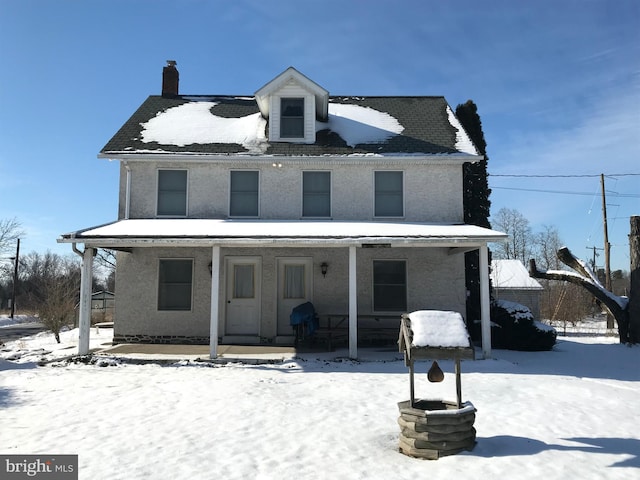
218 236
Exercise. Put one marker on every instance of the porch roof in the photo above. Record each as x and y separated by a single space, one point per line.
207 232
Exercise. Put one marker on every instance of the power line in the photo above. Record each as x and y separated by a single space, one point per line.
566 176
565 192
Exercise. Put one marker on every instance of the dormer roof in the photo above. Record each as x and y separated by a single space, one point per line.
288 77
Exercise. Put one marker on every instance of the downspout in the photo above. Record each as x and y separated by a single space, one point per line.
127 191
75 249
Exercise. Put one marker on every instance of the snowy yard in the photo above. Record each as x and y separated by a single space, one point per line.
569 413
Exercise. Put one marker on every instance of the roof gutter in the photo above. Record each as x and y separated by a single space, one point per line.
111 242
365 159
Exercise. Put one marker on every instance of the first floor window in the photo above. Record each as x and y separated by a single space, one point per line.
175 279
172 192
389 285
316 194
388 194
244 194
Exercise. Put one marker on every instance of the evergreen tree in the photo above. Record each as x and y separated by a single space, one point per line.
476 187
475 201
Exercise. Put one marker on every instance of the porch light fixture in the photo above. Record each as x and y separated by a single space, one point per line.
210 268
324 266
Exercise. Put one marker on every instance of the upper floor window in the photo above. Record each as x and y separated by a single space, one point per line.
172 192
389 199
244 193
389 285
316 194
175 279
292 117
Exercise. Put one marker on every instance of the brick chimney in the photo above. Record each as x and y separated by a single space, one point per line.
170 78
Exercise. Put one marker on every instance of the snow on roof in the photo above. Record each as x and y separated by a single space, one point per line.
512 274
356 124
193 123
187 228
438 328
463 141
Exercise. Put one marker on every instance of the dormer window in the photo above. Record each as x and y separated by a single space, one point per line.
291 103
292 118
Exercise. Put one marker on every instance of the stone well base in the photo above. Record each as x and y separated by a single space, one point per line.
435 428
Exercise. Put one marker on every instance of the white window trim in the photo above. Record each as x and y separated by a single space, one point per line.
186 206
229 196
304 118
404 194
330 194
276 113
193 263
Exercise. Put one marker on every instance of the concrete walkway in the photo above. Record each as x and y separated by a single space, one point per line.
226 353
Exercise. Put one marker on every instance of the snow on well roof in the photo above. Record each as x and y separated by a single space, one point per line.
272 230
233 125
512 274
438 328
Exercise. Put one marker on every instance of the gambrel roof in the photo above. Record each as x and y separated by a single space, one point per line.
234 125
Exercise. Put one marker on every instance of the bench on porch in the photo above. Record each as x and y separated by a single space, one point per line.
333 329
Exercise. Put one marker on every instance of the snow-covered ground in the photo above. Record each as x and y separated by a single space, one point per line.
565 414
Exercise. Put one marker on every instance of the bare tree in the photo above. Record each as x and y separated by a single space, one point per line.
545 245
10 232
520 244
51 285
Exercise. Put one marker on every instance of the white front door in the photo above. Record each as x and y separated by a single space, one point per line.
294 287
243 295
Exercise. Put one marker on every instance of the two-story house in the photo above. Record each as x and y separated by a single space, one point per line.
235 209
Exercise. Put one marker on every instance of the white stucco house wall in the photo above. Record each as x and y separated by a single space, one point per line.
232 207
511 281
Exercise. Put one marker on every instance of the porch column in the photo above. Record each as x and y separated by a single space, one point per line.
215 289
485 317
353 305
86 277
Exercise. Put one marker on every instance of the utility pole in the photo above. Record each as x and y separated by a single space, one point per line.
607 248
593 261
15 279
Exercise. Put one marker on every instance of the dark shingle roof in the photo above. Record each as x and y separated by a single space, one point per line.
427 128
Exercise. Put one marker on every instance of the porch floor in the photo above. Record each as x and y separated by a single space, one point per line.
226 353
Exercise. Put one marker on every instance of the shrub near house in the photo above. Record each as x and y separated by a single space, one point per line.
513 328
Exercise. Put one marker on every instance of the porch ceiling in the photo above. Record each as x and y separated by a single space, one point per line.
277 233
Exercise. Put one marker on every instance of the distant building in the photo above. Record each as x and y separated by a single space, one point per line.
511 281
103 300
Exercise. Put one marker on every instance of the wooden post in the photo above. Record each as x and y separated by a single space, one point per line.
15 279
607 249
458 383
412 391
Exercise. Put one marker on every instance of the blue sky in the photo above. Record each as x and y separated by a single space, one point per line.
556 82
